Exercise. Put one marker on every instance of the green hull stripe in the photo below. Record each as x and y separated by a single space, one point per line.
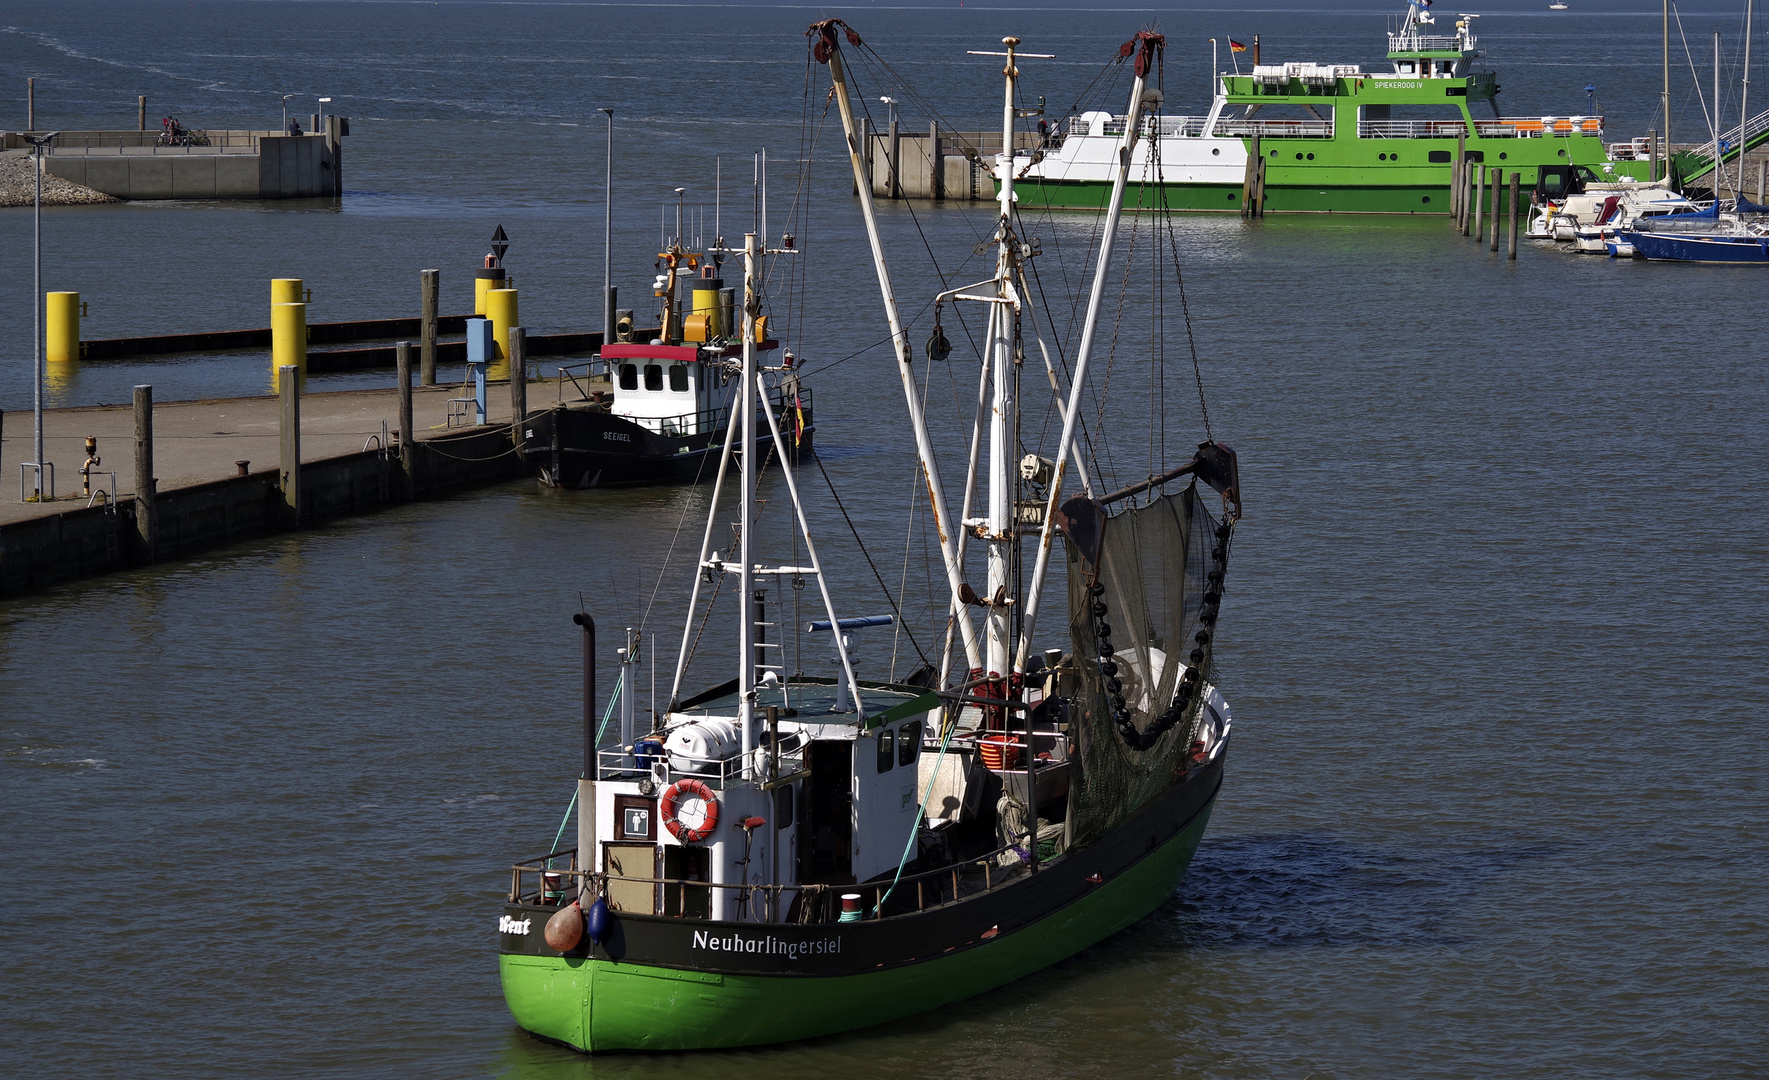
600 1005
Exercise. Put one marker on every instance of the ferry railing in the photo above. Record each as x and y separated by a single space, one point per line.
1415 42
1276 129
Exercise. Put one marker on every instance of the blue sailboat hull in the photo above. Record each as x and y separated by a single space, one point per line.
1675 247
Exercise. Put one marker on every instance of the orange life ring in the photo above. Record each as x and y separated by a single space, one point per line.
667 808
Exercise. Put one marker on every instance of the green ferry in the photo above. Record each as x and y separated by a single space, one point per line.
1333 138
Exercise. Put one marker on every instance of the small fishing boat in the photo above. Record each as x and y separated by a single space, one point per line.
787 854
655 411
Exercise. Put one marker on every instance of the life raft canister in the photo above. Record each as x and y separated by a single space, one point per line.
667 808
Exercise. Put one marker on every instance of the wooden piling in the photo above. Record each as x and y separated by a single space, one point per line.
518 387
289 449
144 468
1247 170
1762 179
1258 179
430 288
402 362
141 112
1652 152
1479 201
30 104
1498 187
1458 175
1516 179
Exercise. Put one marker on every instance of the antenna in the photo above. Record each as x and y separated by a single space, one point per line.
764 233
718 201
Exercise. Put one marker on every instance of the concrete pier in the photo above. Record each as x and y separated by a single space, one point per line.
215 478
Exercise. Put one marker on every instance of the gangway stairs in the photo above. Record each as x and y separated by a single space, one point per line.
1698 164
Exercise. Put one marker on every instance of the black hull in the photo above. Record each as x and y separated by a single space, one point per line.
587 447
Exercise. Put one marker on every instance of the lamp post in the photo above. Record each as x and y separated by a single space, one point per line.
1591 99
286 98
608 237
323 102
38 142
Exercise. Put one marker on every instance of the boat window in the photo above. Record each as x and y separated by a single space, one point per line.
1437 156
783 807
653 376
629 376
886 752
1405 67
679 378
909 744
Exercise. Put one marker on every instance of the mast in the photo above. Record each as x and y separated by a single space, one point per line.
1744 95
1150 46
746 629
1719 169
1665 95
1001 542
831 53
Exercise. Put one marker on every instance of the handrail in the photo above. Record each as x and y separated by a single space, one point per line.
595 883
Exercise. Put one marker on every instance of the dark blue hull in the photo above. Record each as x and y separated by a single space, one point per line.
1686 247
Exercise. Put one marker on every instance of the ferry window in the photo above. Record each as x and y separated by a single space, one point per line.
1439 156
1215 150
1406 67
886 753
653 377
629 376
679 378
1502 157
909 744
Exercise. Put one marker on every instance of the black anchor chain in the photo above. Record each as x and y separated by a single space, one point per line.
1191 683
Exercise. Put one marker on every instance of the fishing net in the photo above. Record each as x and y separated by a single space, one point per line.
1157 564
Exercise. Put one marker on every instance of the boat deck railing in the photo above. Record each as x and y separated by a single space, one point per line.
720 775
580 376
537 881
1275 129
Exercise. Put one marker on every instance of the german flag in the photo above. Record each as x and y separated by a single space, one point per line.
1235 46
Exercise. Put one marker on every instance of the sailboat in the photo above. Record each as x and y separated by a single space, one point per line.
784 855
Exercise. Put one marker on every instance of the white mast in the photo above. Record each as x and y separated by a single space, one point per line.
746 628
1003 460
1149 46
924 449
1744 95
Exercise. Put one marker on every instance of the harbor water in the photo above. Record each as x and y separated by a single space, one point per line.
1494 632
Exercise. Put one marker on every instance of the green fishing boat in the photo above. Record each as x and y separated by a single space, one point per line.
785 854
1329 138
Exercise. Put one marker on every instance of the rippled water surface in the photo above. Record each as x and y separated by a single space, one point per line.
1494 639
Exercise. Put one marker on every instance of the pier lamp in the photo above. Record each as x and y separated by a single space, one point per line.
1591 98
286 98
608 237
38 142
323 102
891 103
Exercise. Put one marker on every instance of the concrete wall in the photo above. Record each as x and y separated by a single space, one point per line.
242 165
962 178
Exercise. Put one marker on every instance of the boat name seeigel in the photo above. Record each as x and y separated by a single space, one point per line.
770 945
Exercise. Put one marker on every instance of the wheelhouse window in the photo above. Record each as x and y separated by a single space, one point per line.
654 376
909 743
629 376
679 378
886 754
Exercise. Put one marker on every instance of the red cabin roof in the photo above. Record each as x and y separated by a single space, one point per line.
681 353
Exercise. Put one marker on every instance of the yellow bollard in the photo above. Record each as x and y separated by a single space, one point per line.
287 290
484 281
500 308
62 332
288 339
